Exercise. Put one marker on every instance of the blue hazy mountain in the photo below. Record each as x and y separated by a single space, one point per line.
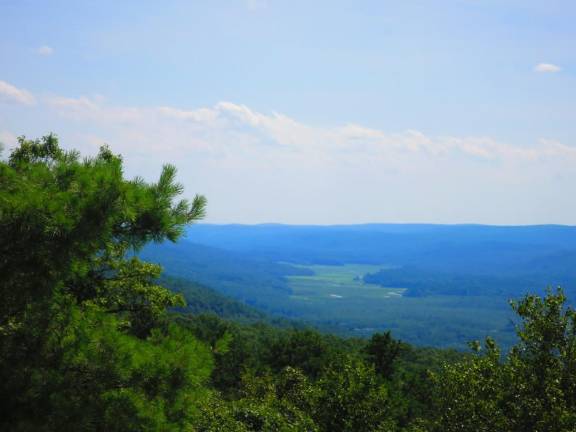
432 284
453 248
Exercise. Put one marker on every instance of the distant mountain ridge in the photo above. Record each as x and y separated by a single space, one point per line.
481 248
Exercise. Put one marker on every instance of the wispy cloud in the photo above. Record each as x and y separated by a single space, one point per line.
338 174
45 50
256 4
283 133
11 93
547 68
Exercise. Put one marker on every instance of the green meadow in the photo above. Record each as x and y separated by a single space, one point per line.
330 283
335 297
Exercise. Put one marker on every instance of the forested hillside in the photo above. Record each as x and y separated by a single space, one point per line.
433 285
91 339
253 281
201 299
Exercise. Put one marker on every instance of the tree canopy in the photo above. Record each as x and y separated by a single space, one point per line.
84 342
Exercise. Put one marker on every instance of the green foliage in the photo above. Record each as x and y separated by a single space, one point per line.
84 343
69 222
249 375
352 399
89 375
382 351
303 349
533 389
281 403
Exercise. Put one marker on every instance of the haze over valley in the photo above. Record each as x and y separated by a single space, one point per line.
439 285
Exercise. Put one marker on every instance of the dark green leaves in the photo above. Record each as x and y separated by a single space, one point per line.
84 340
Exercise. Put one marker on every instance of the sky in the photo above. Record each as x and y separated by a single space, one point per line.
311 112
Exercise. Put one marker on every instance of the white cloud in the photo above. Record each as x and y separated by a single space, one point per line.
202 115
228 127
77 106
45 51
10 93
547 68
297 172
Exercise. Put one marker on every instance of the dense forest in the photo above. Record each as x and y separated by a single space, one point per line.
94 338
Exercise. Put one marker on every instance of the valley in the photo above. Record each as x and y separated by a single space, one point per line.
336 298
431 285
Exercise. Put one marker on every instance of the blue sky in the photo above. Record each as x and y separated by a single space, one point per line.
312 112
